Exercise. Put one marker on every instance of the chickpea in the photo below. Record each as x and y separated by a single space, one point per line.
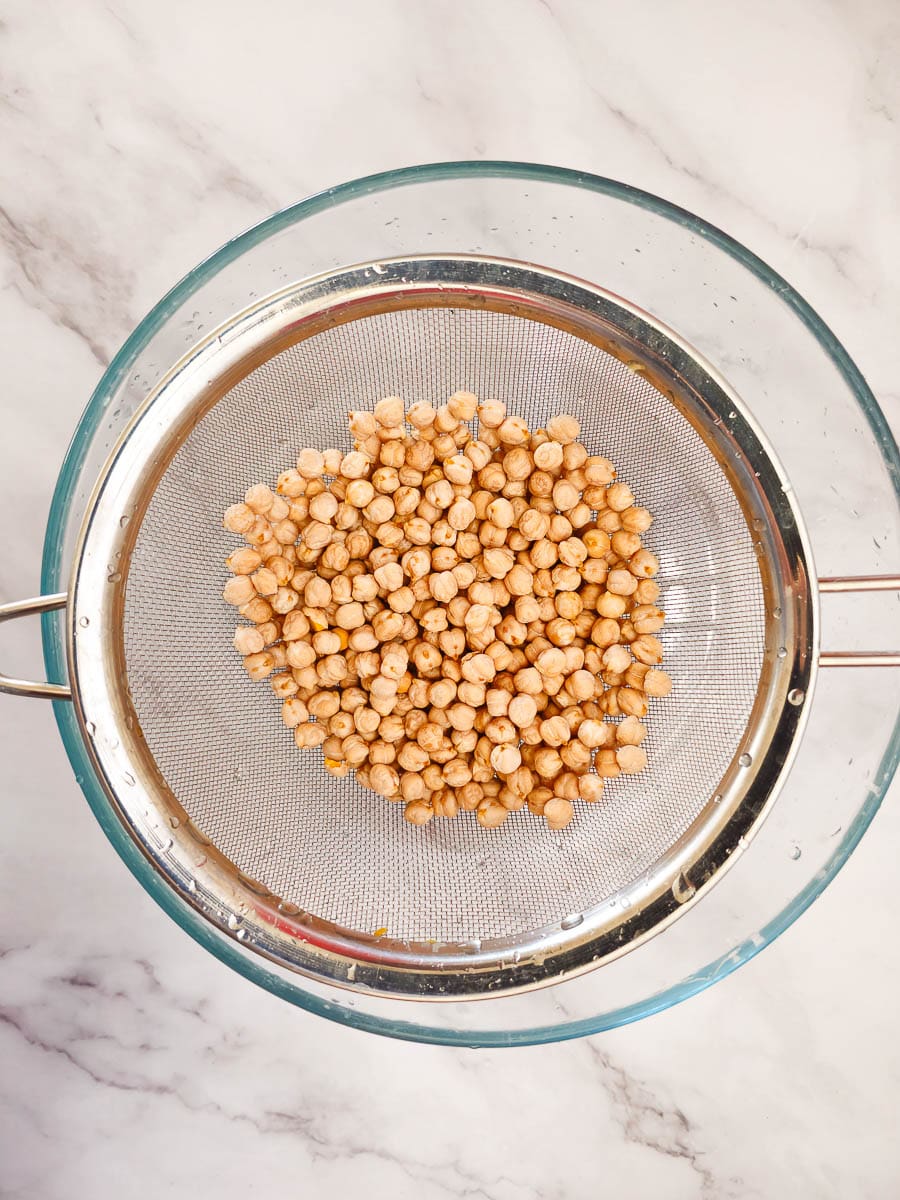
492 414
549 456
590 787
418 812
636 520
631 702
412 757
248 640
572 551
612 605
458 469
491 814
631 759
647 649
625 544
527 609
517 464
533 525
580 685
505 758
499 730
621 582
563 429
309 734
555 731
565 495
513 432
421 416
643 564
558 812
616 659
657 683
243 561
239 590
560 632
547 762
322 507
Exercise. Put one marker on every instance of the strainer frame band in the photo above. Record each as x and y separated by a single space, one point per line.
243 908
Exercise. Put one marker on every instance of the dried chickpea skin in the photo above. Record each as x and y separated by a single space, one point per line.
468 623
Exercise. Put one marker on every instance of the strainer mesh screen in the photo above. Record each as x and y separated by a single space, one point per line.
330 847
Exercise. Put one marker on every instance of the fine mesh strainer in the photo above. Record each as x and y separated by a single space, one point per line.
317 874
322 894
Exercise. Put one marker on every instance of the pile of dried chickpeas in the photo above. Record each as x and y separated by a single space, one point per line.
465 620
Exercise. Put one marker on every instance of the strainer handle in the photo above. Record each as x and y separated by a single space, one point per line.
860 583
23 687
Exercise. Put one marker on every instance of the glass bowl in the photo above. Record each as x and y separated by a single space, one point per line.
805 392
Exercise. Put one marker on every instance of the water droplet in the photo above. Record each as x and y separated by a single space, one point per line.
782 651
91 728
233 921
626 902
682 889
84 622
776 612
745 760
242 935
124 519
351 972
192 886
168 844
289 910
795 852
378 268
717 798
796 696
114 577
129 778
732 415
174 822
571 921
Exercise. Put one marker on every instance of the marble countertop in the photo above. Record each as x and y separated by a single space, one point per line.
134 141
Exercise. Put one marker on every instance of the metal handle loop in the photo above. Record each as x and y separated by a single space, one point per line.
23 687
860 583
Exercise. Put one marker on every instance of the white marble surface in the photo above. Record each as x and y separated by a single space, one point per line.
134 139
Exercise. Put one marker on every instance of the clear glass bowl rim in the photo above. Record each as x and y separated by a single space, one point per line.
228 951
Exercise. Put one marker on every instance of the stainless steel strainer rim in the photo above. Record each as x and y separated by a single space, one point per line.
407 973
